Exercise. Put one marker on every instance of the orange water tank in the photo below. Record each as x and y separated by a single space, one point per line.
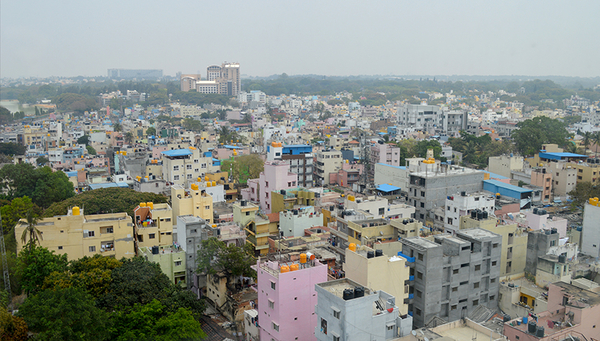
284 268
294 267
303 258
352 247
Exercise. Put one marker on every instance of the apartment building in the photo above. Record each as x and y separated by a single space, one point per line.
298 156
195 202
275 177
292 223
372 269
505 164
153 225
184 166
256 227
78 235
328 161
385 153
590 240
348 311
287 297
421 117
171 260
462 204
453 275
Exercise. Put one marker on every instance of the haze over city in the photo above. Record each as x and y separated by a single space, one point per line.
534 38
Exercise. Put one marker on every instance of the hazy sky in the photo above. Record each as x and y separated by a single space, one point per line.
442 37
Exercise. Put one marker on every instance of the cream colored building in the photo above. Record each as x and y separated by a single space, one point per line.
153 224
185 166
171 260
79 235
379 273
514 244
195 202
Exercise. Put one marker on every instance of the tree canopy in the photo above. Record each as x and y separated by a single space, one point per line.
215 256
534 132
75 102
42 185
12 149
105 200
244 167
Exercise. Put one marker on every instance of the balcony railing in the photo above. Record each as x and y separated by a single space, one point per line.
408 259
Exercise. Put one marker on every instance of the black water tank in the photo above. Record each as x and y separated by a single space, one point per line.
463 193
295 212
378 253
506 318
243 203
531 327
540 331
405 221
474 214
479 215
359 292
370 254
535 210
412 220
155 250
553 230
282 191
348 294
562 259
485 215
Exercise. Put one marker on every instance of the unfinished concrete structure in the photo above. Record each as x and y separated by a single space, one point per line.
452 276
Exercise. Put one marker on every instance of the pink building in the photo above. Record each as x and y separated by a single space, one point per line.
543 179
157 150
276 176
385 153
538 221
572 313
226 152
287 299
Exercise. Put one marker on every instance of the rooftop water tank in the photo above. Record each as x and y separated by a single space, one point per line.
359 292
352 247
378 253
348 294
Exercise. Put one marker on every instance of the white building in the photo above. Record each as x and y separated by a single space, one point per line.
185 166
292 223
590 238
462 204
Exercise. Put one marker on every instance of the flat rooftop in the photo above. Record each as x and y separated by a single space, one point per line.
422 242
337 287
478 233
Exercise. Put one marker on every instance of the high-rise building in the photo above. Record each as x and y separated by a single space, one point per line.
188 82
135 73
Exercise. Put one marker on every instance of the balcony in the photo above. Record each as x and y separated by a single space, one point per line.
411 278
408 259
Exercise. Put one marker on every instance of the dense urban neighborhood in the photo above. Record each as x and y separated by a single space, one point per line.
215 206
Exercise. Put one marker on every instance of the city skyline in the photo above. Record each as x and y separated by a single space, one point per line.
333 39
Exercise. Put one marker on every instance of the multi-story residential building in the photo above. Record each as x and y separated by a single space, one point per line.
453 275
189 234
153 225
275 177
462 204
298 156
564 177
257 96
292 223
372 269
287 298
348 311
328 161
379 207
505 164
456 122
171 259
543 179
257 228
195 202
79 235
224 80
590 241
514 242
421 117
184 166
431 184
385 153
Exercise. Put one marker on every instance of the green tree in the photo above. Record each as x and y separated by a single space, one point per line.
31 230
153 322
117 127
105 200
12 328
582 192
421 148
85 139
129 137
215 256
17 210
75 102
64 314
37 263
244 167
192 124
151 131
90 150
41 161
12 149
5 116
534 132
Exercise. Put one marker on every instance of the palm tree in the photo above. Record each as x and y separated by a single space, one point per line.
596 141
587 140
129 137
117 127
34 234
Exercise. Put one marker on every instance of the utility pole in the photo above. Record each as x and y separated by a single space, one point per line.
6 275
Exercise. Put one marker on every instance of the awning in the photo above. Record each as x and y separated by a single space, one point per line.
387 188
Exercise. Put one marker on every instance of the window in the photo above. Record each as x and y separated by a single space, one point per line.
453 307
419 294
455 289
495 245
92 249
419 275
177 263
418 311
476 285
390 327
336 338
189 176
477 267
196 161
422 193
450 221
176 177
455 272
203 165
271 304
336 313
494 263
91 233
196 170
420 256
324 326
60 248
188 167
448 208
275 326
493 280
422 205
266 184
273 285
151 235
382 211
175 168
464 283
475 303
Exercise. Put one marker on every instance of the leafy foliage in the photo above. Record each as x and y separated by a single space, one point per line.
244 167
36 264
151 131
12 328
105 200
477 150
12 149
152 321
64 314
75 102
215 256
42 185
192 124
534 132
582 192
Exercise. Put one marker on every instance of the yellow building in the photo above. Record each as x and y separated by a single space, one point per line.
79 235
222 178
588 169
153 224
379 272
195 202
171 260
286 199
514 244
367 232
255 226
